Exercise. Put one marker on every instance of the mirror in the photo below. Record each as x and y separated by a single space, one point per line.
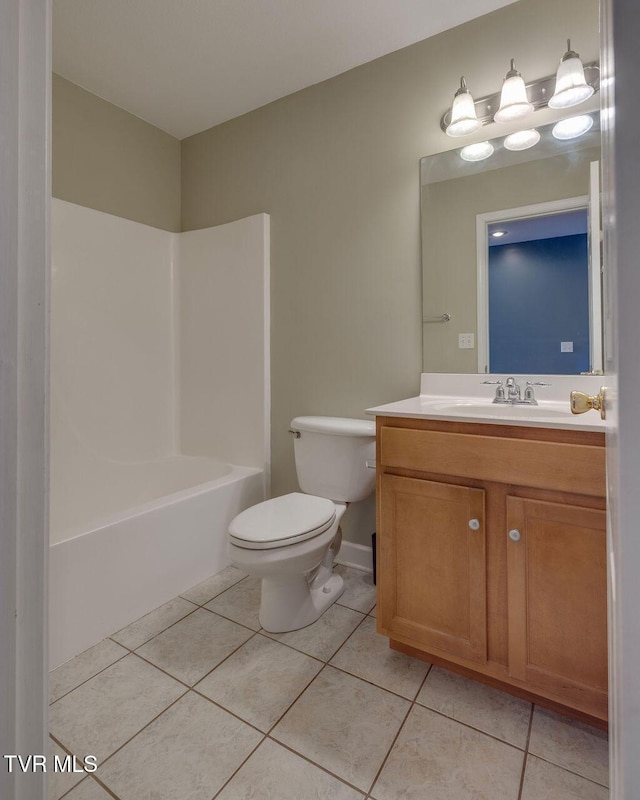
528 300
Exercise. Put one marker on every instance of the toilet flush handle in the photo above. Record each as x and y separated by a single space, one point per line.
296 434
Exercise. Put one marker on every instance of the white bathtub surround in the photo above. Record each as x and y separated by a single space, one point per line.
154 336
111 324
466 397
224 346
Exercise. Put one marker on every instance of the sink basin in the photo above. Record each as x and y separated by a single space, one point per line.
500 410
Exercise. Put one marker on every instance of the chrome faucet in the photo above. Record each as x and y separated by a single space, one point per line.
511 393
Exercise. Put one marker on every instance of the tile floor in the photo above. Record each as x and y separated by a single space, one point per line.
194 702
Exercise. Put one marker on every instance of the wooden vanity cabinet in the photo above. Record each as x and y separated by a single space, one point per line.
492 555
439 580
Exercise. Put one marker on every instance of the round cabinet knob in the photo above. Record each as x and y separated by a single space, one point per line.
514 535
474 524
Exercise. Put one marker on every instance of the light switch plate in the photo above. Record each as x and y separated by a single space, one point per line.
566 347
466 341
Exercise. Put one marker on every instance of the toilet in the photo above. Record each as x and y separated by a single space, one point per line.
290 542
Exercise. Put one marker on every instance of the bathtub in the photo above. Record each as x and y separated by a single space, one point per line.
109 566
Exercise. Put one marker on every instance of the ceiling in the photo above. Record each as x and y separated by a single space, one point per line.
544 226
187 65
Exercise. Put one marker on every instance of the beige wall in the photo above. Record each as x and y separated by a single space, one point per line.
107 159
336 167
449 241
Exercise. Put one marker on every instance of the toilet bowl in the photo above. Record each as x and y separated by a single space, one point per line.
290 542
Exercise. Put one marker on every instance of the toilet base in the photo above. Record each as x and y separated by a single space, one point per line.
290 602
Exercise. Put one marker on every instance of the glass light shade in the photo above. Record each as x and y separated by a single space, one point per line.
476 152
464 119
571 87
514 103
522 140
572 127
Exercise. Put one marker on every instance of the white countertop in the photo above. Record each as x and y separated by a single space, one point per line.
464 398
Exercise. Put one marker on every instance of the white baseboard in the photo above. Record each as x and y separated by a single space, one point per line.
359 556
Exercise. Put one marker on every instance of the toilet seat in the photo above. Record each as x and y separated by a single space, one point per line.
282 521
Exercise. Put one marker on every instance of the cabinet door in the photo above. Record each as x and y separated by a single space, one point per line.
432 585
557 599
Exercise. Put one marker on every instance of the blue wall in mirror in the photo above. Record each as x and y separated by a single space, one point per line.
538 298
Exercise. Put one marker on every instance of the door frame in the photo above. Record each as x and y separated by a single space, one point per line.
25 192
620 24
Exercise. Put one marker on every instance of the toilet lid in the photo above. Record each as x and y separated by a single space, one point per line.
282 521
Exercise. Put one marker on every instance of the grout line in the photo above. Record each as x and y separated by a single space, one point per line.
66 750
471 727
571 771
315 764
82 683
228 711
146 641
226 658
235 772
424 680
163 671
526 753
184 683
362 621
295 700
109 791
213 597
371 683
229 619
265 635
297 649
60 744
359 610
553 763
131 738
75 786
395 739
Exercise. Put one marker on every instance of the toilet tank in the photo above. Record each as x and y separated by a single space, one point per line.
331 457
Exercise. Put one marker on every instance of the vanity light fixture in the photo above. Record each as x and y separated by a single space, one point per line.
572 127
476 152
573 83
498 234
571 86
514 103
464 119
522 140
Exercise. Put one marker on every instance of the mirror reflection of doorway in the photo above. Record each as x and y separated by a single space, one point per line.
538 282
548 301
